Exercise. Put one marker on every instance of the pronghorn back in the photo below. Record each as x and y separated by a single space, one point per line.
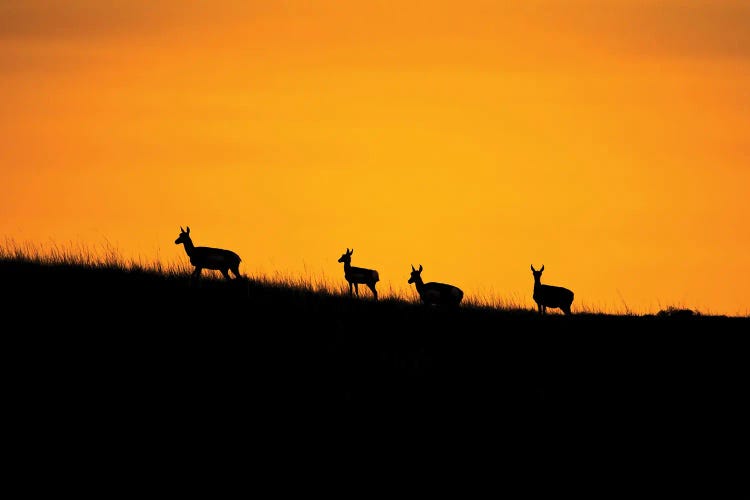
214 258
361 275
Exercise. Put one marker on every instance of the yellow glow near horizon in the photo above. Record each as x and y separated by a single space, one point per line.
606 140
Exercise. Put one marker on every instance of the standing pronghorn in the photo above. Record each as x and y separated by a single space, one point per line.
216 259
357 275
550 296
435 293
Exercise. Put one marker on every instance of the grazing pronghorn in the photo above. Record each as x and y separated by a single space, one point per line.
435 293
358 275
550 296
216 259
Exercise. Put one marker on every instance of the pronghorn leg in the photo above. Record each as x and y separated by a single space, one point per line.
374 292
225 272
195 276
356 288
236 271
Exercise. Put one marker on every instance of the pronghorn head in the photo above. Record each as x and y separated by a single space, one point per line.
415 274
537 274
346 258
183 237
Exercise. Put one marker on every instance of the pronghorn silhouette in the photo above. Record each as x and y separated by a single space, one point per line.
550 296
358 275
435 293
216 259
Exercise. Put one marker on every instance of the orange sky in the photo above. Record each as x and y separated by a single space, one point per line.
605 139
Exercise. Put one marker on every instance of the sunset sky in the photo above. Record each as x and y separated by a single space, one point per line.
608 140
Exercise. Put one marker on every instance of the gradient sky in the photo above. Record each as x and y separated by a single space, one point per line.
606 139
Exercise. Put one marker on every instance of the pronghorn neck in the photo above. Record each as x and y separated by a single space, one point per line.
419 284
537 279
347 265
189 247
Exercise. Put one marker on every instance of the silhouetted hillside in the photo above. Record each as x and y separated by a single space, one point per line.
130 344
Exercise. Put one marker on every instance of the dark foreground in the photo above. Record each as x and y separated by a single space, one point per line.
134 353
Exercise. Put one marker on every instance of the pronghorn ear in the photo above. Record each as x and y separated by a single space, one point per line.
532 268
412 268
420 268
351 251
182 230
542 269
188 230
